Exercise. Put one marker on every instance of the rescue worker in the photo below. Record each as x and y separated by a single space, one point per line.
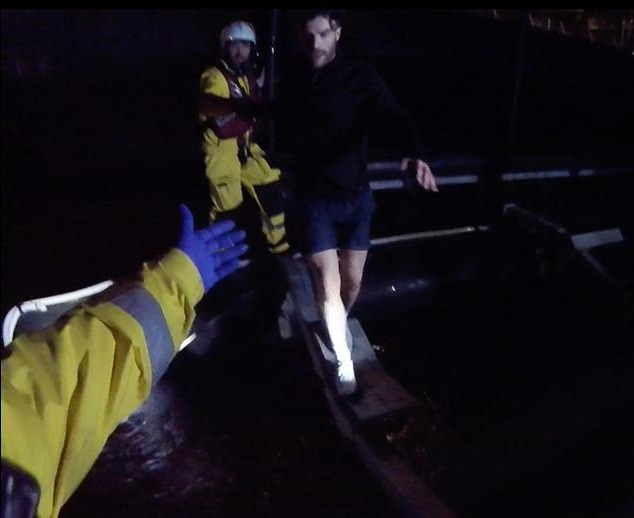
229 100
65 388
334 99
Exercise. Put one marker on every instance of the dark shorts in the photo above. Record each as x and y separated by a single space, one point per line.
325 224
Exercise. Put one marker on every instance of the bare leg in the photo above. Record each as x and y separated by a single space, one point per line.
324 267
351 270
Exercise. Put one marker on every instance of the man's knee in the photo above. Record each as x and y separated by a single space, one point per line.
326 273
352 274
351 283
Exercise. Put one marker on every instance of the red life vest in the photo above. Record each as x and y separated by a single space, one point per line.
230 125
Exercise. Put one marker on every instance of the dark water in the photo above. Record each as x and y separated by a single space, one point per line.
528 378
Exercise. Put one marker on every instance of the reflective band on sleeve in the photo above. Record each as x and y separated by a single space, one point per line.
142 306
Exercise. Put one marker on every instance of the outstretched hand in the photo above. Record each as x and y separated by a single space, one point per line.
214 250
424 176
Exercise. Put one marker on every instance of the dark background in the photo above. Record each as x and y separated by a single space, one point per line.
100 144
99 134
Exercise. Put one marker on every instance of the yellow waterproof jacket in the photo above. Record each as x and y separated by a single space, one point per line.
66 388
213 81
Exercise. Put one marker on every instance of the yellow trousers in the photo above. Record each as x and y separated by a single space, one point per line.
228 176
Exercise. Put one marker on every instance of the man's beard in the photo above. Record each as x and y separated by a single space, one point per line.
320 57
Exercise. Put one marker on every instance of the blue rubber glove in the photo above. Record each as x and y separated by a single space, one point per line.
214 250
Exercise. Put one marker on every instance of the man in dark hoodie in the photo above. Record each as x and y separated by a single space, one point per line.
333 102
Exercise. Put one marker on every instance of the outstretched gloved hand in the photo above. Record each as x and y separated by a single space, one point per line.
214 250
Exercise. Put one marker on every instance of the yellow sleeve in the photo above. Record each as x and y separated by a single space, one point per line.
66 388
213 81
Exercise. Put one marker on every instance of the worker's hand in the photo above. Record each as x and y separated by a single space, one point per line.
214 250
424 176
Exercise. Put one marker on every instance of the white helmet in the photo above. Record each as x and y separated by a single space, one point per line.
237 30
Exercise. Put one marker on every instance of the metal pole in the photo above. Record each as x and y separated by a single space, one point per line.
270 80
490 178
519 63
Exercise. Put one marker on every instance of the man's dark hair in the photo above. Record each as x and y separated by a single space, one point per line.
302 16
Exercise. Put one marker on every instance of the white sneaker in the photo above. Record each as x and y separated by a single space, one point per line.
345 380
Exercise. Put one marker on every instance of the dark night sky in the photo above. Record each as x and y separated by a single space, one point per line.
454 71
99 109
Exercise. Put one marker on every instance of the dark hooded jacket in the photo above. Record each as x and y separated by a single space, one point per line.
332 109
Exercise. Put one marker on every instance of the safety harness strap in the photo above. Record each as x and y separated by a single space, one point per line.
232 126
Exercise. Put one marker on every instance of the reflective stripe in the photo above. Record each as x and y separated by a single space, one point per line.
272 228
144 308
280 247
